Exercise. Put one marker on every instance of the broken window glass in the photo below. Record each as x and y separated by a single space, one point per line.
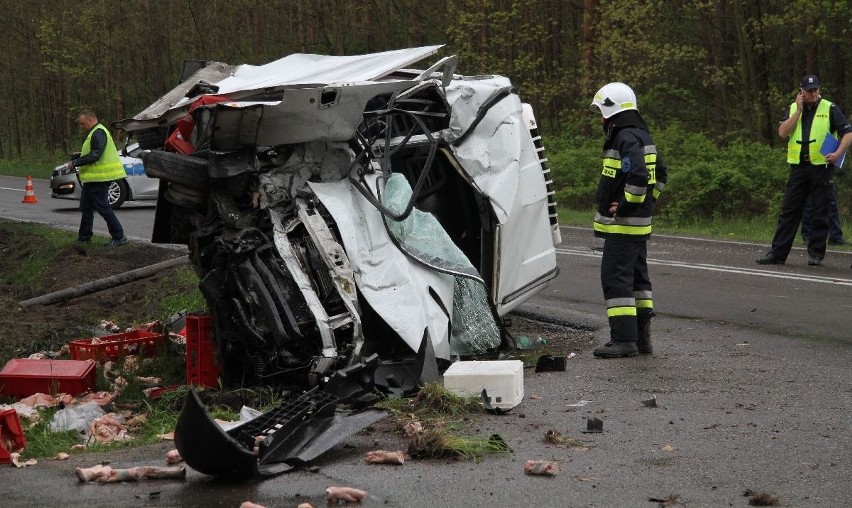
474 329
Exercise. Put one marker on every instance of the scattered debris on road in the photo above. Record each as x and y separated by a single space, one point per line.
593 426
173 457
107 474
18 462
556 437
385 457
541 467
664 502
344 494
761 498
652 402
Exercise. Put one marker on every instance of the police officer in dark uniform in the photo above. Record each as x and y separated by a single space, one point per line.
632 178
809 120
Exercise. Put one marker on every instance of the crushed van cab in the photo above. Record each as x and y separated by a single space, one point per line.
350 215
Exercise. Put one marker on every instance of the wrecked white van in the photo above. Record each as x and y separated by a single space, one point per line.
347 210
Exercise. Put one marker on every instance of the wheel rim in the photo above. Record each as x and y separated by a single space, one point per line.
114 192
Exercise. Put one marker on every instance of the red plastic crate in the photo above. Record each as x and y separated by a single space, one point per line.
113 347
11 435
201 366
22 377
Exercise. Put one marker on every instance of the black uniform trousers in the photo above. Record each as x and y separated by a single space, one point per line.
804 180
625 281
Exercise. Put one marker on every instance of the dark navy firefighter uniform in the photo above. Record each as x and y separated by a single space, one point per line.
633 177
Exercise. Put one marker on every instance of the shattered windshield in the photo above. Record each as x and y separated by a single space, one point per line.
474 329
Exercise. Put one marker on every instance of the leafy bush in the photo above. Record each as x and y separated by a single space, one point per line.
575 163
743 179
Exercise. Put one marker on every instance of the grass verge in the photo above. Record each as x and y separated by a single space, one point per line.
35 169
741 229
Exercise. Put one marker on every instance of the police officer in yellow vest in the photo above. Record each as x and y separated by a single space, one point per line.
632 178
809 120
98 166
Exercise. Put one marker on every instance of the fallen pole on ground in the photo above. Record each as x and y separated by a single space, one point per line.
105 283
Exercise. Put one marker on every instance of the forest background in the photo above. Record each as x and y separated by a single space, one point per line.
713 77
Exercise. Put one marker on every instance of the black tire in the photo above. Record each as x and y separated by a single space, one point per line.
117 193
184 197
177 168
152 138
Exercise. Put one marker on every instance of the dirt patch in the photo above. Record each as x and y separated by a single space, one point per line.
557 339
48 327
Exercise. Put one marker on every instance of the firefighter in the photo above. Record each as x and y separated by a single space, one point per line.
632 179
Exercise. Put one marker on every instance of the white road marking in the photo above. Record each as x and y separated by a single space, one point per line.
17 190
720 268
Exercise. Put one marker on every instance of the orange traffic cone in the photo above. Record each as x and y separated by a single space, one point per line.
29 196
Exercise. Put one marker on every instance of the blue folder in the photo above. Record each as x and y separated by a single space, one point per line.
829 145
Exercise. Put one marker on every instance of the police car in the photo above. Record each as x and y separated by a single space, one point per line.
136 186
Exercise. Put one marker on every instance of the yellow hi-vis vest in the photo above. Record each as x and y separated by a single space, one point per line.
105 169
819 128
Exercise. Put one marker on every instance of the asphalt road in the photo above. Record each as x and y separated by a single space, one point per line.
719 281
750 375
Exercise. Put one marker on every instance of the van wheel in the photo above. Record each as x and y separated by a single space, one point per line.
180 169
183 196
117 193
152 138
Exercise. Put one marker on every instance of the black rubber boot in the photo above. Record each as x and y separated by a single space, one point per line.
616 349
643 322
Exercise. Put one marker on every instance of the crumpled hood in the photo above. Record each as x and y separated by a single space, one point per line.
293 71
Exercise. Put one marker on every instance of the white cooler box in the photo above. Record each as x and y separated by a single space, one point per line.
503 379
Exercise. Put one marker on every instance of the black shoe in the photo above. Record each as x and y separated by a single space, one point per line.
837 242
814 261
644 347
117 243
614 349
805 240
770 259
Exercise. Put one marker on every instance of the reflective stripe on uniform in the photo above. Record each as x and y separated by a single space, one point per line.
634 193
651 163
611 164
621 307
623 221
623 225
621 302
644 299
623 230
644 304
620 311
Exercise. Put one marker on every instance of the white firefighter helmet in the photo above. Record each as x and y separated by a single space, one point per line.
614 98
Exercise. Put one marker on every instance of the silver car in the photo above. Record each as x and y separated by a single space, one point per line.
137 186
